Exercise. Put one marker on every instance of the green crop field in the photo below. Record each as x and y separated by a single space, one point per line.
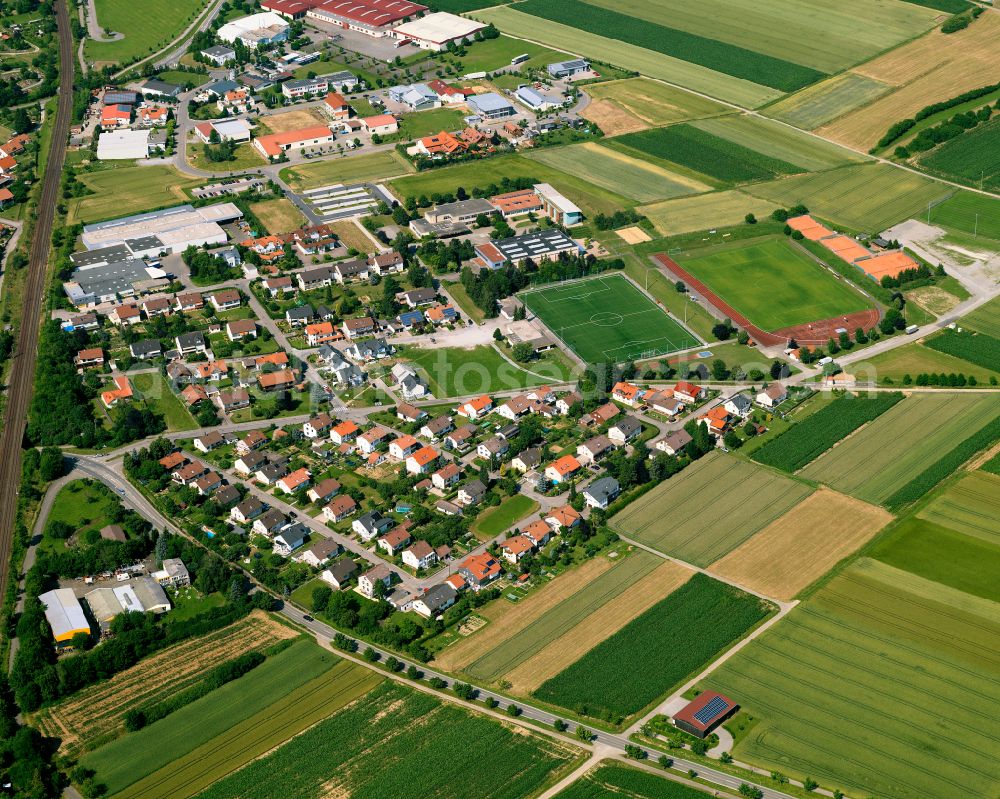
687 146
900 444
408 745
825 101
709 508
238 744
977 348
914 359
462 6
455 372
607 320
778 141
873 686
971 506
629 56
704 211
864 197
353 169
972 157
139 754
968 212
655 651
814 435
146 26
615 171
129 190
985 319
610 781
656 103
532 639
773 284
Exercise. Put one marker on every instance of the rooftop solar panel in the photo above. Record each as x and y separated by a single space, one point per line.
715 706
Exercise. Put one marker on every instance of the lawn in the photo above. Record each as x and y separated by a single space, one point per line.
424 123
608 320
825 101
493 521
186 603
692 148
914 359
709 508
455 372
900 444
83 505
857 686
160 399
245 156
663 290
609 781
146 26
652 654
773 284
405 744
353 168
129 190
493 54
655 103
278 216
183 78
704 211
972 157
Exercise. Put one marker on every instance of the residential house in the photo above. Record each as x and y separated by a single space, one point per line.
344 432
187 474
249 462
208 483
446 476
269 522
190 301
225 299
209 441
121 391
538 532
625 429
290 538
227 496
628 394
403 447
239 329
772 396
191 343
192 395
718 420
324 491
471 493
527 459
593 449
125 315
458 438
276 381
395 540
371 524
248 510
689 392
739 405
409 382
294 482
475 408
564 516
369 581
339 574
146 349
515 548
355 328
422 461
370 441
409 413
372 349
320 553
321 333
341 507
385 263
156 306
601 493
663 402
299 315
674 443
91 357
493 447
318 425
234 399
279 285
436 599
479 570
567 401
565 468
436 427
251 441
270 473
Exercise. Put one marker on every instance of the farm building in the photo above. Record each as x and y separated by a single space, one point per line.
436 31
64 614
704 713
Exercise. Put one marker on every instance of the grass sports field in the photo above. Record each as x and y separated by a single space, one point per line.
129 190
615 171
146 26
704 211
973 157
356 169
985 319
653 103
608 320
773 284
688 517
653 653
797 549
408 745
864 197
825 101
608 781
859 686
897 446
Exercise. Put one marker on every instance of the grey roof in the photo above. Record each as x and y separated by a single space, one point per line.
149 346
602 489
530 457
374 521
219 50
101 256
250 506
474 488
111 278
227 495
628 425
490 101
678 439
162 87
343 569
741 402
272 519
439 596
464 208
532 245
565 66
192 339
300 312
115 97
220 87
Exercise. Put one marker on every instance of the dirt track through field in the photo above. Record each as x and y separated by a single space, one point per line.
507 620
800 547
577 641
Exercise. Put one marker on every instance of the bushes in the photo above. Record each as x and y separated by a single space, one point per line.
898 129
976 348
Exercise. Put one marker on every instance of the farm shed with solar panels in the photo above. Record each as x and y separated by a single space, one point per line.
704 713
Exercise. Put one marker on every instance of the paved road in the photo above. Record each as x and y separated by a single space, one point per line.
22 374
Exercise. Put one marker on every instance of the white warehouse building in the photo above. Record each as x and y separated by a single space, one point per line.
435 31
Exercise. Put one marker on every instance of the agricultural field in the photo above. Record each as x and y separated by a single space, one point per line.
863 197
968 212
794 551
704 211
970 506
129 190
914 359
926 70
688 517
650 103
253 736
278 216
455 372
136 755
773 284
615 171
877 669
985 319
409 745
629 56
977 348
96 714
146 26
353 169
818 432
609 781
778 141
900 444
973 157
607 320
692 148
153 388
653 653
823 102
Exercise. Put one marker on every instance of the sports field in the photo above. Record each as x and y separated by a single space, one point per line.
972 158
897 446
704 211
129 190
864 196
773 284
146 26
615 171
825 101
985 319
874 686
355 169
654 103
709 508
608 320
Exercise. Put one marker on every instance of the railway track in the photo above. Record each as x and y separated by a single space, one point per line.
22 374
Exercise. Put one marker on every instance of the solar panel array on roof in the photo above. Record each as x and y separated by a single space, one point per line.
534 244
715 706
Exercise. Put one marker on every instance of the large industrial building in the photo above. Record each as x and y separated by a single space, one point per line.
436 31
539 245
256 30
141 595
175 228
109 282
64 613
371 17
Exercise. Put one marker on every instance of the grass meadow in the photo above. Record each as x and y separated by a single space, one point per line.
704 211
875 685
353 169
405 744
688 517
773 284
985 319
502 517
825 101
160 399
129 190
914 359
971 213
146 26
607 320
897 446
455 372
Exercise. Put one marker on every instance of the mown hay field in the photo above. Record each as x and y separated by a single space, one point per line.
709 508
612 118
655 103
900 444
408 745
856 686
96 714
704 211
971 506
792 552
653 653
278 216
136 755
823 102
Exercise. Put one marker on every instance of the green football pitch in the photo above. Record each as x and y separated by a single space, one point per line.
774 285
608 320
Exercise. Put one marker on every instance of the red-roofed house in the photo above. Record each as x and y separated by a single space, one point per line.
688 392
274 144
116 116
335 106
382 124
422 461
704 713
473 409
562 469
479 570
